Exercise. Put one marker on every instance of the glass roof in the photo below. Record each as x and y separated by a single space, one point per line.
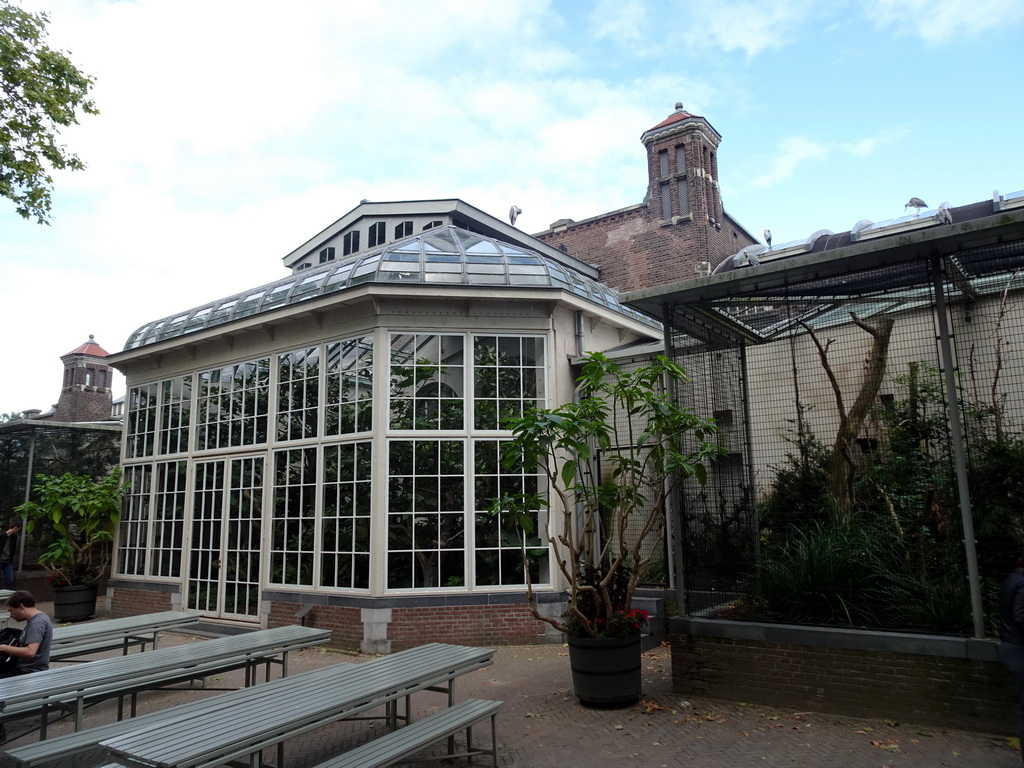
445 255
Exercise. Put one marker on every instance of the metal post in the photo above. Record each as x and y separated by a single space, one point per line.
956 434
677 573
28 492
748 450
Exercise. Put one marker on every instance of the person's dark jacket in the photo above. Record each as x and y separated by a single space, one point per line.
1011 609
14 545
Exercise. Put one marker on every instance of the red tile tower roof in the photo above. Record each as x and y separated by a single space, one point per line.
89 347
678 116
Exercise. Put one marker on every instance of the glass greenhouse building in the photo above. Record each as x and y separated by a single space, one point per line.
327 446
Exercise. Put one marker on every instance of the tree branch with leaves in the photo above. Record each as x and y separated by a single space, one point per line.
41 91
612 460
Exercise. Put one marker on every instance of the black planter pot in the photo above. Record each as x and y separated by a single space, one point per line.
75 603
605 670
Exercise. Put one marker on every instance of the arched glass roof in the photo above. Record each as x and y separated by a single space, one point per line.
445 255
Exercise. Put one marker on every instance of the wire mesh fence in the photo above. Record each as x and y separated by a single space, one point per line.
849 481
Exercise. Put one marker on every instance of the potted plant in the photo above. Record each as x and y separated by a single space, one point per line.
82 513
612 460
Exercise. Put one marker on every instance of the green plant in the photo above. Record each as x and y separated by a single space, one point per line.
611 459
82 514
838 572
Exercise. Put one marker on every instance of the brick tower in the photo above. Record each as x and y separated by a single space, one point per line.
682 169
85 394
680 230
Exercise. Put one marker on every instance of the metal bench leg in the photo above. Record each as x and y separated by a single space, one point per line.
494 740
451 703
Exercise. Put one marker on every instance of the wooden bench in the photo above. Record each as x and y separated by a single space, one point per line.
329 694
392 747
70 688
110 634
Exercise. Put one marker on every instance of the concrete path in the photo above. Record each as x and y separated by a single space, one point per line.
542 725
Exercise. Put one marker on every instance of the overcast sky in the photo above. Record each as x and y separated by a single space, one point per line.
231 131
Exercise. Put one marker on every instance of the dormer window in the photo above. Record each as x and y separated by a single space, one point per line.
432 224
350 243
403 229
377 235
327 254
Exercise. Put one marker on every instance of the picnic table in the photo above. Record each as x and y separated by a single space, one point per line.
70 688
108 634
265 717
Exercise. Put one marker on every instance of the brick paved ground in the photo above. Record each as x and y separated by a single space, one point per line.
542 725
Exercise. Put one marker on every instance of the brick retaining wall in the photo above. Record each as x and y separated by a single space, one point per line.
943 681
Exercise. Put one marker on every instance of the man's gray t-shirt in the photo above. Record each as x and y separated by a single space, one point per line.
38 629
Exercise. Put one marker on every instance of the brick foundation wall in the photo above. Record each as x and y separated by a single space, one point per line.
482 625
131 602
376 625
973 693
345 622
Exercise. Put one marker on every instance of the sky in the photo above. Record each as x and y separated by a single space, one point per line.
231 131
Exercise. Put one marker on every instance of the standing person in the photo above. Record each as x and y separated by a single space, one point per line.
9 551
31 651
1011 636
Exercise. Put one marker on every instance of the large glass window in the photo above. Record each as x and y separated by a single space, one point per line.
133 526
427 381
345 520
508 374
175 414
141 418
294 517
431 510
168 518
298 394
233 405
349 406
501 548
426 513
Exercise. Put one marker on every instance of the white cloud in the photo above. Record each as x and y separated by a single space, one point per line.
750 26
795 152
943 21
620 20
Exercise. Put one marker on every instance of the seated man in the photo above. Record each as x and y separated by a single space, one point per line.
31 653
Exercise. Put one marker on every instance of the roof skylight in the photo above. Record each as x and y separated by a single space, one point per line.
446 255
